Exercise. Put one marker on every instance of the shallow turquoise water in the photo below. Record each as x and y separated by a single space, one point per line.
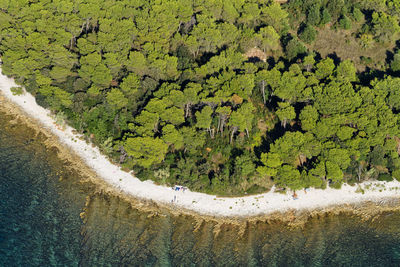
39 224
41 200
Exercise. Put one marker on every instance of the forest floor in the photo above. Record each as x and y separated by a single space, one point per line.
201 203
344 45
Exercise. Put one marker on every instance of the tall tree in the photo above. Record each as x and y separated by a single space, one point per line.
146 151
204 119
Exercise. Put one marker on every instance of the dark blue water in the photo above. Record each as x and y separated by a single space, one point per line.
41 200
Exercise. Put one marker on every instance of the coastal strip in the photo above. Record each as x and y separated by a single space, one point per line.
255 205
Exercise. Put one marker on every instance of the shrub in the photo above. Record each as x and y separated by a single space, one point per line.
357 14
335 185
325 17
60 118
396 174
295 48
17 90
366 60
385 177
345 23
395 65
308 34
366 40
313 14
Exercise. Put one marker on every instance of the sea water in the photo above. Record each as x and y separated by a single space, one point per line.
41 201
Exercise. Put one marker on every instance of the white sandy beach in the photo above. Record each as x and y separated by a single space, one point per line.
199 202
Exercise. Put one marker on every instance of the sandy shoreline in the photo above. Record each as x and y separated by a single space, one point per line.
201 203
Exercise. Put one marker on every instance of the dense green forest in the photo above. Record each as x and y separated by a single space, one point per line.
223 96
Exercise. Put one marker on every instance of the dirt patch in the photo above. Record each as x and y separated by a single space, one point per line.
256 53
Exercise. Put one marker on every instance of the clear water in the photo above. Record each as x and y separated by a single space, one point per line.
40 225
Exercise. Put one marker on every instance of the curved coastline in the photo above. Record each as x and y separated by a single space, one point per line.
204 204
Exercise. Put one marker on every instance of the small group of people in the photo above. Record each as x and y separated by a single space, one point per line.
179 188
295 197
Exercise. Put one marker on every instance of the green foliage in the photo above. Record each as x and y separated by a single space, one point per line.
333 172
117 99
396 174
346 71
269 38
325 68
17 90
245 165
294 48
275 16
325 17
395 64
308 62
357 14
337 98
285 113
308 34
171 136
289 177
272 162
204 118
366 60
107 145
130 84
242 118
146 151
309 117
313 14
345 23
60 118
389 90
377 156
385 177
385 27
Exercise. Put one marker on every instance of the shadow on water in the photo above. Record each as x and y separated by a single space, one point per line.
40 225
